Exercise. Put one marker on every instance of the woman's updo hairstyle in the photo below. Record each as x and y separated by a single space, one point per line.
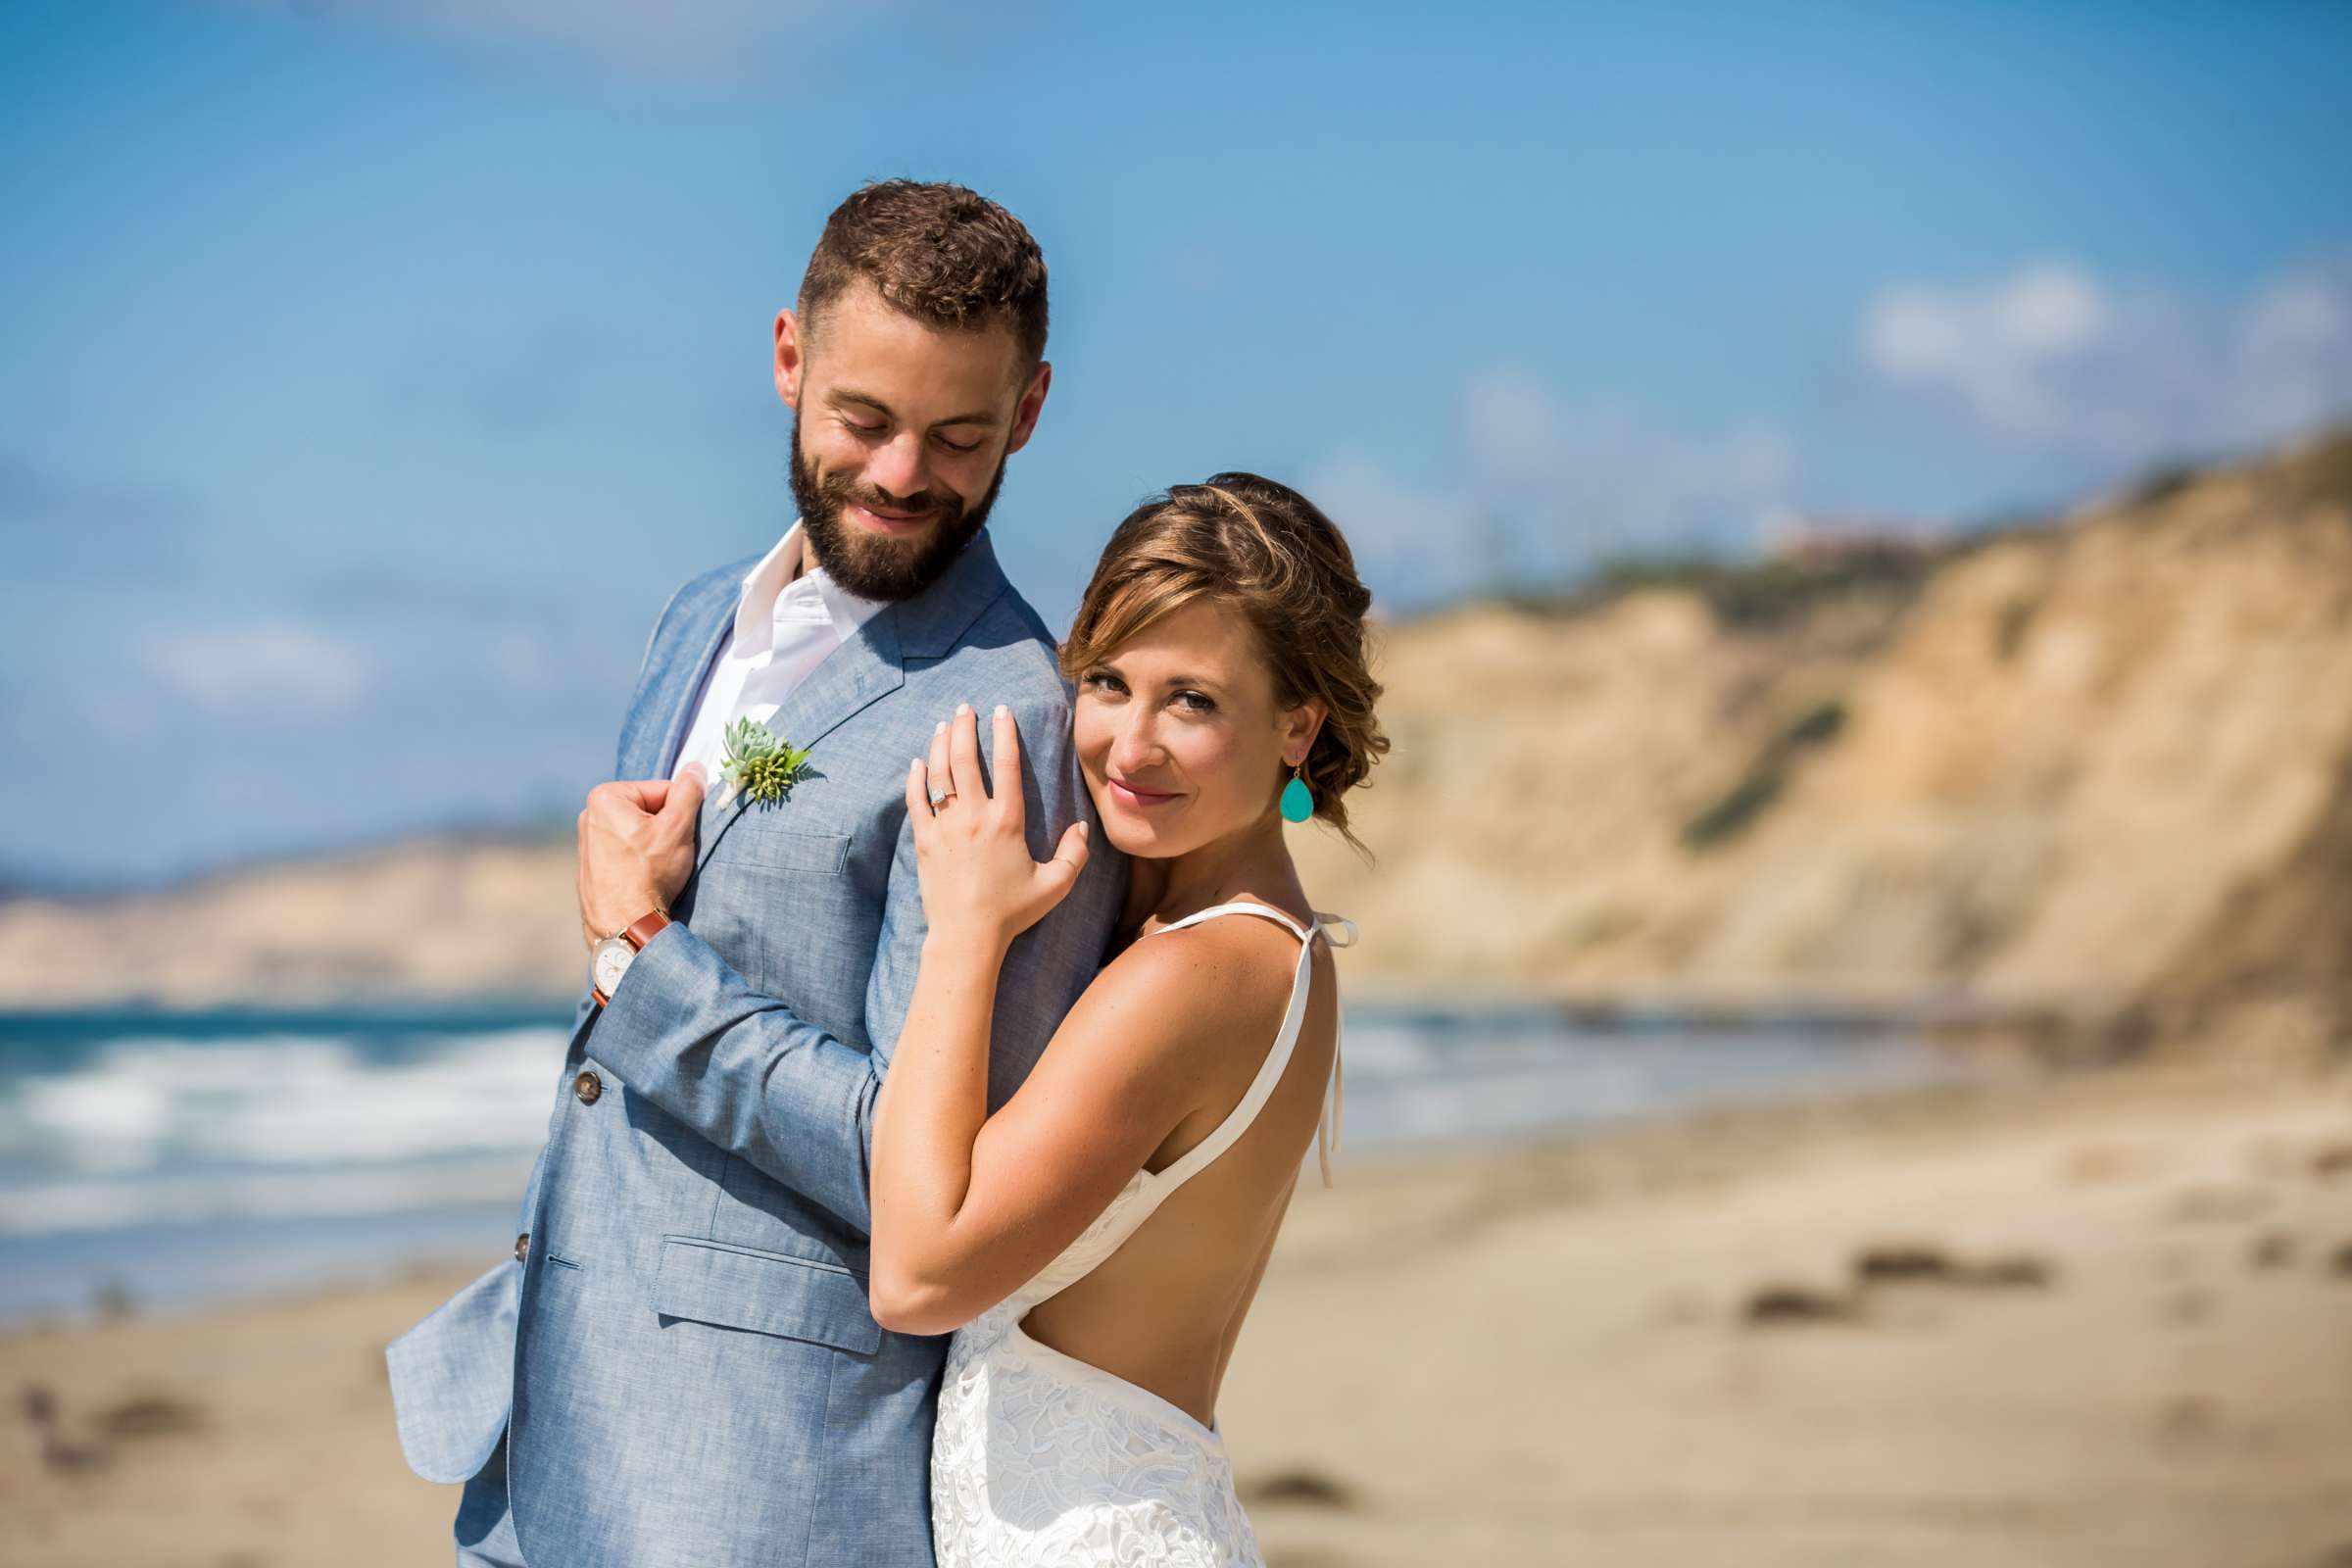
1266 551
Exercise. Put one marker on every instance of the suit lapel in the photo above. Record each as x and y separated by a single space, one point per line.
845 680
673 681
860 671
702 644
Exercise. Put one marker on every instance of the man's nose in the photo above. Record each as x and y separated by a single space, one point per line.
897 466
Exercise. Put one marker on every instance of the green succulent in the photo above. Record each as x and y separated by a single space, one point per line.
760 766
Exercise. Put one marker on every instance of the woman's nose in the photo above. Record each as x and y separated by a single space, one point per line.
1136 747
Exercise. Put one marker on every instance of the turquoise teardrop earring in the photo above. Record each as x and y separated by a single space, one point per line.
1297 800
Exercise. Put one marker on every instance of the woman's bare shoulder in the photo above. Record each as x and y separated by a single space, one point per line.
1224 979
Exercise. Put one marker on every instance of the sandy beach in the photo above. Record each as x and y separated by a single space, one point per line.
2104 1319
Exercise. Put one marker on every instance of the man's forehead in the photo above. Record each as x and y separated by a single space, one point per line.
862 343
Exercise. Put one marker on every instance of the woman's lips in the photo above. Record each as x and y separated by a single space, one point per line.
1130 795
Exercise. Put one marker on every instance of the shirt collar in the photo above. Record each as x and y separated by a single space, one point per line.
766 583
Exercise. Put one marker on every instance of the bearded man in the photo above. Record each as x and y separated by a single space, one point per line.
679 1366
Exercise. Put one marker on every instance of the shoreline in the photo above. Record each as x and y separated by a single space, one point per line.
2095 1316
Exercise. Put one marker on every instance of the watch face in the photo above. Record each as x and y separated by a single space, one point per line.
611 961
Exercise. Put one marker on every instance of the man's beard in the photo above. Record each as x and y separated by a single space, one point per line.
873 566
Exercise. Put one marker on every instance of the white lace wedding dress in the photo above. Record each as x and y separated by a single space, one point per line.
1039 1457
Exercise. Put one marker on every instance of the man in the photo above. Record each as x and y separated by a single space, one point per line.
678 1365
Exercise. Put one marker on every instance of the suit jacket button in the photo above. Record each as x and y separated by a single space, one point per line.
523 1245
588 1086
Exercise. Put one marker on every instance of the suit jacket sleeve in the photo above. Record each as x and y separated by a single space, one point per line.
690 1033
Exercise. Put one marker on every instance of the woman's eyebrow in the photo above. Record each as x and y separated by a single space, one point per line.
1109 668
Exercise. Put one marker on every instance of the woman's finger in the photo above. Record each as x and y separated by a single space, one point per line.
918 802
1006 769
1060 873
937 771
964 759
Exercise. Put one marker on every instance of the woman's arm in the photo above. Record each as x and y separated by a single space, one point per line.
980 890
967 1208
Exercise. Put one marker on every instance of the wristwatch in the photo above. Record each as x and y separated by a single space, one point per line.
609 959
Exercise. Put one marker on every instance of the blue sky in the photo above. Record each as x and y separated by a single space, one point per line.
375 368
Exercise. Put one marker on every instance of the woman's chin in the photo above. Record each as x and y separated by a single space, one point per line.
1138 840
1139 833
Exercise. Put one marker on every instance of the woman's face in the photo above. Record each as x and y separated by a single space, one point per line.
1179 735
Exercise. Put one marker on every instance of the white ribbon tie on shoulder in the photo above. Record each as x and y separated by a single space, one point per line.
1340 932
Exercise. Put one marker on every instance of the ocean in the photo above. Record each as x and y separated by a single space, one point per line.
153 1159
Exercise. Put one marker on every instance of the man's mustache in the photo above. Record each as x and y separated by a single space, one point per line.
946 508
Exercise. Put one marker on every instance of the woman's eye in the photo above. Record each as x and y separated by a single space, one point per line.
1102 683
1196 703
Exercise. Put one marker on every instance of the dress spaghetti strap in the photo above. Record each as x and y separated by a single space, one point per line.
1339 933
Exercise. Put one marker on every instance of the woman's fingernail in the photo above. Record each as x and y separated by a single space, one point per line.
940 728
1002 709
962 708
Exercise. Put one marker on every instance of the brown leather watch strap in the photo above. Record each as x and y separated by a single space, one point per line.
639 931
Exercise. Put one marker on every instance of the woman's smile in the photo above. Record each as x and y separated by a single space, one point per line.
1136 793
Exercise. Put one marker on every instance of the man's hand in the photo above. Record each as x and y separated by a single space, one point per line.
636 848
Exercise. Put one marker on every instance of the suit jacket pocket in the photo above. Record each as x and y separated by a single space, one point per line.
767 1292
788 849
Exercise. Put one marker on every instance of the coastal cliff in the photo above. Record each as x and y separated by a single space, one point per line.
2099 765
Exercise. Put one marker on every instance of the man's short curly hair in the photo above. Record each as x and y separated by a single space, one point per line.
945 256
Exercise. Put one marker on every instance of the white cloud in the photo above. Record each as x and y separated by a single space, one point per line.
1540 491
273 665
2053 360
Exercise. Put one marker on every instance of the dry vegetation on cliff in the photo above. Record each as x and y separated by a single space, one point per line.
2099 764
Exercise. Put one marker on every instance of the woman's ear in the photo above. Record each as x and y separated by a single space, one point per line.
1300 726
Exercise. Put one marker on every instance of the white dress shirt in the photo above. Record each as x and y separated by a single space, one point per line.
785 624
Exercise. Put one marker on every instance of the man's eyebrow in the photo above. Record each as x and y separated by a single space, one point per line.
867 399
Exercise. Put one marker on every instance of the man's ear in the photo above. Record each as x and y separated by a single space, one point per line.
1032 404
792 358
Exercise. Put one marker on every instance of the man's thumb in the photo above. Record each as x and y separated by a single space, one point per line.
685 792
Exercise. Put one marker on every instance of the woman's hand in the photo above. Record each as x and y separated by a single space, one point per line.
971 850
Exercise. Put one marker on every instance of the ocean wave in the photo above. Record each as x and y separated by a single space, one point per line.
150 1102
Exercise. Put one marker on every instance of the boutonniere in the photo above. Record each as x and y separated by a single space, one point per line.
759 765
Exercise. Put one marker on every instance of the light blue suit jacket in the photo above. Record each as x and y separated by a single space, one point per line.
683 1364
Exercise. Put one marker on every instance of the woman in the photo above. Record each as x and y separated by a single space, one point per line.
1095 1243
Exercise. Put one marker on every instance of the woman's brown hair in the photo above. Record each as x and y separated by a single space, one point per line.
1269 552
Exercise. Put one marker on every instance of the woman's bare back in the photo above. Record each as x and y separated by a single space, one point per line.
1164 1311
